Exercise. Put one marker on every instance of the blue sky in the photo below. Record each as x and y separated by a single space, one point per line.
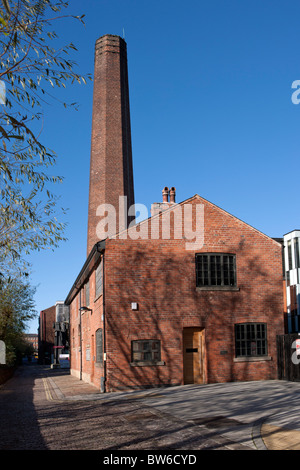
211 113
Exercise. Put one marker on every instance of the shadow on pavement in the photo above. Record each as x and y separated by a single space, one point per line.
19 428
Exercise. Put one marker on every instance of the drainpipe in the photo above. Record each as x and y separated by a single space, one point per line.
80 343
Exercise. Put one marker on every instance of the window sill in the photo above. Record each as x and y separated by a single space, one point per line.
147 363
252 358
218 288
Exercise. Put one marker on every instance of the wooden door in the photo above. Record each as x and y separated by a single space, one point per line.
193 355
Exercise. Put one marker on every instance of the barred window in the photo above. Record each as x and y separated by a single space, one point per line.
87 294
145 350
251 339
215 269
99 346
99 279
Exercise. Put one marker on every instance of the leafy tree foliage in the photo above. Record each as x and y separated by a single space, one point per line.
16 309
30 67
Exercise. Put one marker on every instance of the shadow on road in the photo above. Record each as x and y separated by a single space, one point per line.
19 428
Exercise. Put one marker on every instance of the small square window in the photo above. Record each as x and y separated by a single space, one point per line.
145 351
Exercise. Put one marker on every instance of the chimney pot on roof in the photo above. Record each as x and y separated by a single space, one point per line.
165 193
172 194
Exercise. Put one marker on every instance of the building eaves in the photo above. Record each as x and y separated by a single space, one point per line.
90 263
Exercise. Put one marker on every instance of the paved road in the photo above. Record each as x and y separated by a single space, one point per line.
44 409
33 418
251 413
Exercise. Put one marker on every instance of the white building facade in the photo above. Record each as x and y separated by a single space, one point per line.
292 275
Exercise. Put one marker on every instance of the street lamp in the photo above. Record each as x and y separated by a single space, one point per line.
85 309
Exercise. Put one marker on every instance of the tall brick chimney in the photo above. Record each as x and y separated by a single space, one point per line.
111 172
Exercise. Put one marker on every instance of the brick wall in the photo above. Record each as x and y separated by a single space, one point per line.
83 327
111 172
46 334
160 276
6 373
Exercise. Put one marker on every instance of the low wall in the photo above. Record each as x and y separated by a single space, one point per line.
6 373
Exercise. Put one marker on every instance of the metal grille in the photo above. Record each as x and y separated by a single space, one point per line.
251 339
99 346
87 294
145 350
287 358
99 279
215 269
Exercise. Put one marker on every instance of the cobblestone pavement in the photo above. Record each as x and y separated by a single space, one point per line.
33 417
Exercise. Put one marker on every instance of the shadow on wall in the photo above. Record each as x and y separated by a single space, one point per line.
166 284
150 321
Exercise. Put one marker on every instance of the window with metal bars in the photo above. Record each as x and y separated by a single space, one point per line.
87 293
251 339
99 346
215 269
145 350
99 279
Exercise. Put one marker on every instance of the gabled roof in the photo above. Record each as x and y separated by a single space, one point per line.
99 247
186 201
236 218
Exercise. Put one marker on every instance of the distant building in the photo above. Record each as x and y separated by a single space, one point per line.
61 335
33 340
291 242
53 333
46 335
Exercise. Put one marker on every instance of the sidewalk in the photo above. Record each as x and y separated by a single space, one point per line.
281 432
66 386
274 429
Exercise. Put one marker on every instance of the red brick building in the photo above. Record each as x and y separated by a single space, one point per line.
161 314
33 340
46 335
190 295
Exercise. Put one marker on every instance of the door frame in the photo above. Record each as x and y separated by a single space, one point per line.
202 356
